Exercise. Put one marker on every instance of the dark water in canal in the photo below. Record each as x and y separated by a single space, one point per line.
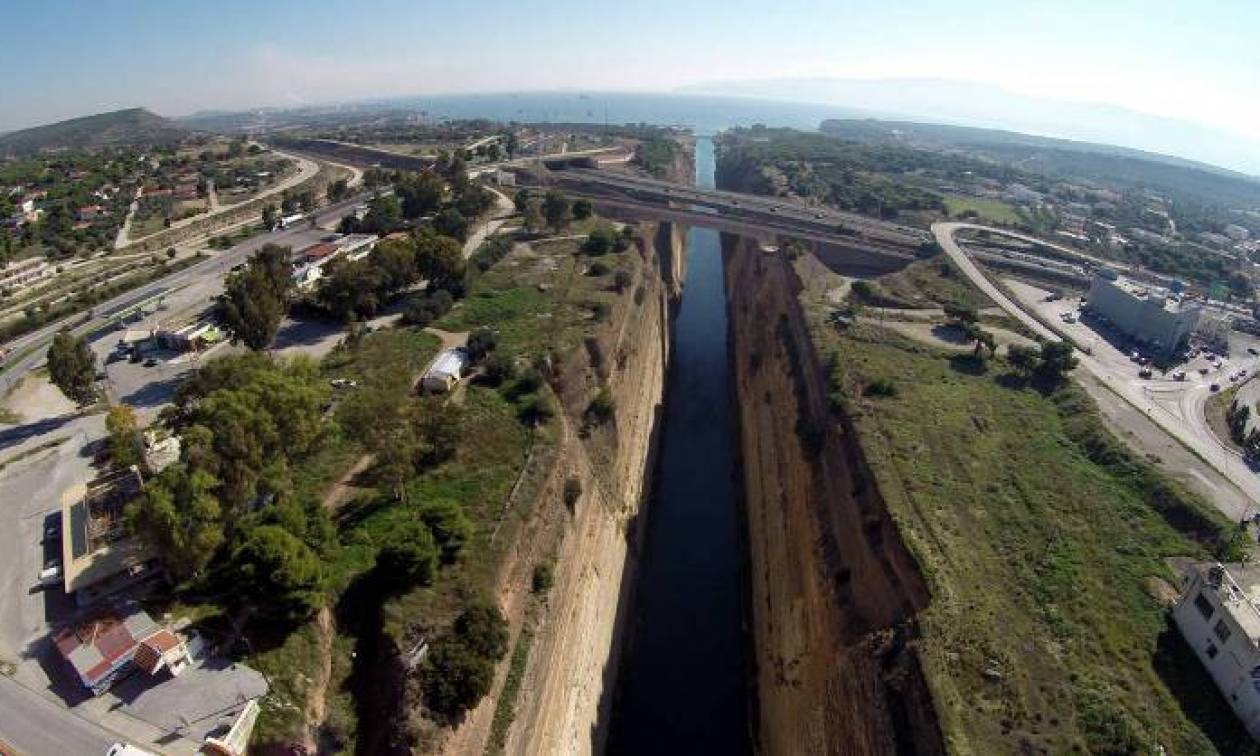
682 682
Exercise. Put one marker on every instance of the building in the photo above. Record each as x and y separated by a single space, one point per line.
98 554
1152 316
111 643
356 246
190 336
445 372
1218 616
1236 232
235 742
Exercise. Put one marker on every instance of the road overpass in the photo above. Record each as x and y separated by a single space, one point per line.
775 213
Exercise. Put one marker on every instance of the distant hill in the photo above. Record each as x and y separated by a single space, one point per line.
1063 158
134 126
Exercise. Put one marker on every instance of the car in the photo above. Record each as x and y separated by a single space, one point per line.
1203 371
1215 387
343 383
51 574
135 356
1252 350
152 361
51 531
1180 375
1144 373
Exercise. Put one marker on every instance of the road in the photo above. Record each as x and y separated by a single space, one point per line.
36 727
211 271
1184 420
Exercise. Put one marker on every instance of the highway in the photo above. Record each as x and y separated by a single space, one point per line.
29 350
1184 420
769 210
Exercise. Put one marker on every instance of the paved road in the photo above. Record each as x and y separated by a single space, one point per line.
212 270
37 727
1190 429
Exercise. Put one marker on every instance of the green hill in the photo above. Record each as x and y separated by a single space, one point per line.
134 126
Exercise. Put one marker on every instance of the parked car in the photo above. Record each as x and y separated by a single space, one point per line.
51 531
1144 373
1215 387
51 574
1252 350
152 361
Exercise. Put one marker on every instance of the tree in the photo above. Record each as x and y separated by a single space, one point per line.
556 210
533 216
180 519
255 299
451 528
962 315
482 628
270 214
474 201
455 678
1023 359
72 367
410 556
278 573
451 222
600 241
602 409
982 338
481 343
521 199
124 435
582 209
1057 359
421 193
384 216
440 259
338 190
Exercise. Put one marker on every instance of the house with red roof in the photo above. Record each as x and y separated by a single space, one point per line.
110 644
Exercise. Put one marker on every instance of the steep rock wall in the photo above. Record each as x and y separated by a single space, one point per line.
834 591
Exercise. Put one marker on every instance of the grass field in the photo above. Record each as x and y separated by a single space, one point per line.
931 283
1042 540
986 209
540 299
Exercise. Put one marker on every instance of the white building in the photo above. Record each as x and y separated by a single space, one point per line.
445 372
356 246
1156 317
1236 232
1218 616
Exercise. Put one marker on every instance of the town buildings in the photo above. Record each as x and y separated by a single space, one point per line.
111 643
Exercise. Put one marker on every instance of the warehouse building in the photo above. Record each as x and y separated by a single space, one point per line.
1153 316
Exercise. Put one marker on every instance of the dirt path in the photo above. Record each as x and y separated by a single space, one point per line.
344 488
316 700
946 336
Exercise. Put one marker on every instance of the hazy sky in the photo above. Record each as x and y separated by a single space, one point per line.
1197 60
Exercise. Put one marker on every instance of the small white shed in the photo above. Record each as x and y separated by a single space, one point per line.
445 372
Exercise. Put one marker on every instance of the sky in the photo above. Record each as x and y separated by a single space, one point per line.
1194 60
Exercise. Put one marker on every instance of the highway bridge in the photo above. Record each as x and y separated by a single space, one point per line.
734 208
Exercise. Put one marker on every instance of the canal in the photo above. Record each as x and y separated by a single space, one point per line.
683 685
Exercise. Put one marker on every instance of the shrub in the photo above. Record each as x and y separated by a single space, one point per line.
455 678
622 279
536 411
602 409
481 343
600 242
410 556
544 577
500 368
482 628
880 387
599 268
572 492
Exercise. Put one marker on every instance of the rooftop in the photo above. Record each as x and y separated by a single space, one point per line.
1157 296
1239 594
96 644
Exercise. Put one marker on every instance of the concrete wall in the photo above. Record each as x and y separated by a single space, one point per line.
1235 658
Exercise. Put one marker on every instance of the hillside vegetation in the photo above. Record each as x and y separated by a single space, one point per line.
1043 541
133 126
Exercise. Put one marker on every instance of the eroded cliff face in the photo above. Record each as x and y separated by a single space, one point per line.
571 673
834 592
